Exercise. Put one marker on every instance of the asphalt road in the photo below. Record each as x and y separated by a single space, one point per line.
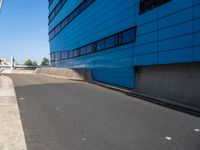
59 114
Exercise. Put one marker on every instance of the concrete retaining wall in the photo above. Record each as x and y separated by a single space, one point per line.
179 83
75 74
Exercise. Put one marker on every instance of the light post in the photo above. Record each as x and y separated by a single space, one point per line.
12 63
56 62
56 59
1 3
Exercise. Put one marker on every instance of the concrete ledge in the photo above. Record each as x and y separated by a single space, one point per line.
73 74
11 131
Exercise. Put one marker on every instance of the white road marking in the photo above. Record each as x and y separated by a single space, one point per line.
57 108
168 138
197 130
21 99
83 139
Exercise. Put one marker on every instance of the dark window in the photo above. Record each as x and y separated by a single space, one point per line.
65 22
89 2
114 40
60 56
110 42
56 56
58 29
70 54
76 53
89 49
83 6
51 35
66 55
63 55
83 50
146 5
100 45
128 36
119 39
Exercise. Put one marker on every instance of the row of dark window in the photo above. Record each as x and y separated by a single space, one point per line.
69 18
56 9
114 40
147 5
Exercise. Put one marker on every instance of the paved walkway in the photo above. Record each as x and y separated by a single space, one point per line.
59 114
11 131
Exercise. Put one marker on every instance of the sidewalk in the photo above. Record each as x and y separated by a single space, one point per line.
11 131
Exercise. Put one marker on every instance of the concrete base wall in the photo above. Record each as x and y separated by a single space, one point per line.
179 83
76 74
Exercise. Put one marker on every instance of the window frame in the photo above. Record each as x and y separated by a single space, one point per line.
118 41
148 5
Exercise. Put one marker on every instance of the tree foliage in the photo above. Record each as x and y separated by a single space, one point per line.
30 63
45 62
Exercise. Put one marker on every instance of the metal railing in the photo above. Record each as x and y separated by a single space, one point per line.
1 70
18 67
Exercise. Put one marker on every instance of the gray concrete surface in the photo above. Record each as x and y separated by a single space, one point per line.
59 114
76 74
179 83
11 131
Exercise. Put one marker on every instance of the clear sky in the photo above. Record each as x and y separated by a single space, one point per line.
24 29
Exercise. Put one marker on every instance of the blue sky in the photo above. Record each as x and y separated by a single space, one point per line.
24 29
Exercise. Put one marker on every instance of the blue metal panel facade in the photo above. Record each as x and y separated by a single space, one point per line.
167 34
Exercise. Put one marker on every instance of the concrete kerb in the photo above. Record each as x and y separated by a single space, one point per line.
156 100
11 130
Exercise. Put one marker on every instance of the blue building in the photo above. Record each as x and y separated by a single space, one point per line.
151 46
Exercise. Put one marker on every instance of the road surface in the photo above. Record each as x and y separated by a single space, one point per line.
58 114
